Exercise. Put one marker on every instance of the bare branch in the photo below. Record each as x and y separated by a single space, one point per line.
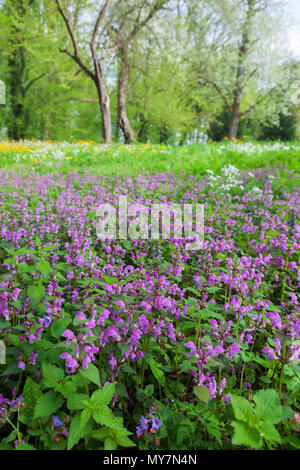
140 24
98 22
68 25
80 63
74 56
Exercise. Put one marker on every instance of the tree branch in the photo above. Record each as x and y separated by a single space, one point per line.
220 91
259 101
74 56
29 84
140 24
97 24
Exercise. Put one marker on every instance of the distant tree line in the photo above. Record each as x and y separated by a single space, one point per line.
173 71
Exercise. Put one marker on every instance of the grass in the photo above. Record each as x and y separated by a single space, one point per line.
117 159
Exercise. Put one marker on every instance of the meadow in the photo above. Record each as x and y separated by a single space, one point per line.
144 344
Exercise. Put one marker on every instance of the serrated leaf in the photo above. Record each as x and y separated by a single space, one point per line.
124 441
31 393
85 417
242 408
269 431
100 434
103 415
183 432
58 327
245 436
47 404
268 405
104 395
52 375
121 390
25 446
91 373
158 374
110 444
76 401
75 431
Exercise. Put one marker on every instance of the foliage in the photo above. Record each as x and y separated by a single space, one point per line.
139 343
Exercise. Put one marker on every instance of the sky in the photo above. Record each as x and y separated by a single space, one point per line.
294 31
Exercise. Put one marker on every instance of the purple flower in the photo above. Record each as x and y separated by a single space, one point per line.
69 335
293 297
32 358
46 321
81 316
121 305
156 423
270 353
56 422
233 348
144 423
227 399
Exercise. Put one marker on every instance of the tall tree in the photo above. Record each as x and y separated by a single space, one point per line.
96 74
18 17
125 24
239 36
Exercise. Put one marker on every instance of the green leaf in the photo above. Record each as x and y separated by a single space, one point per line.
75 401
110 444
268 405
31 393
47 404
9 261
158 374
59 326
245 436
243 410
104 395
103 415
121 390
36 294
92 374
124 441
44 267
183 433
269 431
202 393
74 432
52 375
100 434
85 417
293 441
25 447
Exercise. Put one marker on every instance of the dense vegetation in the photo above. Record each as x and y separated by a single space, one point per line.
141 343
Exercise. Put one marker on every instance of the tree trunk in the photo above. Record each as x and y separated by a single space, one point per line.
104 102
17 122
122 88
235 110
234 126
